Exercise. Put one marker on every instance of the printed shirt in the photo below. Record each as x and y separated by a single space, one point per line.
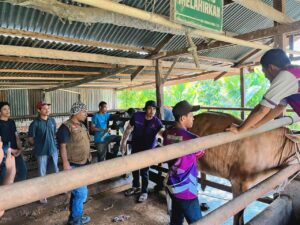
284 89
182 179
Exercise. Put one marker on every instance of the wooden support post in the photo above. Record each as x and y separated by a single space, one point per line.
280 40
159 89
242 91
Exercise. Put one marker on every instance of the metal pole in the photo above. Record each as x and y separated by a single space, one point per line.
28 191
229 209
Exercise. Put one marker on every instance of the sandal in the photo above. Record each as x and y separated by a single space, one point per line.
132 191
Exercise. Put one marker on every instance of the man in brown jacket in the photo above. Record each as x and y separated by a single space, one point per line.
74 145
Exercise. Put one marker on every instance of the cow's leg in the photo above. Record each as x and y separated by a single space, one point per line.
237 189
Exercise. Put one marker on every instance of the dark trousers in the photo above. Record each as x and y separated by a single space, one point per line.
144 173
102 147
188 209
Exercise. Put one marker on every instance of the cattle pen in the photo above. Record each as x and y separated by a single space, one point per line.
64 51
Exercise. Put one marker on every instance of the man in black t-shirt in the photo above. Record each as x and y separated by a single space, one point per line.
10 138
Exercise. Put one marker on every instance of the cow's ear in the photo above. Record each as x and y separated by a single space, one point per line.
293 137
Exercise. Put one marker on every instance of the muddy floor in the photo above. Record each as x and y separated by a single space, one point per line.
102 208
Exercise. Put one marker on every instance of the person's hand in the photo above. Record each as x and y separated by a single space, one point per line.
234 128
15 152
10 163
109 130
66 166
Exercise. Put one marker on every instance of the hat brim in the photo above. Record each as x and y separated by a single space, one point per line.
195 108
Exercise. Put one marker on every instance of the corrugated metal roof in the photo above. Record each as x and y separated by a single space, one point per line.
237 19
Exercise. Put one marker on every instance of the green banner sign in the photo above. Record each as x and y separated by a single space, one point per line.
205 14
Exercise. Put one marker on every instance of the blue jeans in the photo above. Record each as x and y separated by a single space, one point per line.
188 209
78 197
47 163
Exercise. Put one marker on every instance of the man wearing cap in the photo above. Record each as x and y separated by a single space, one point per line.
10 138
144 127
41 135
284 90
74 145
182 180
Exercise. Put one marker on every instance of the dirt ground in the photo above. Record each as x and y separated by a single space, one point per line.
102 208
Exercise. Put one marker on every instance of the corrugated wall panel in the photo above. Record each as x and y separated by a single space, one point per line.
18 100
62 100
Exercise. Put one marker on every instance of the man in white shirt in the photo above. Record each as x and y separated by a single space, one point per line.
284 89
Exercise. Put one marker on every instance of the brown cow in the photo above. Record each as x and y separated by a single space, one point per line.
244 162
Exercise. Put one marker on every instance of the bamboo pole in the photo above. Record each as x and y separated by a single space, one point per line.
28 191
229 209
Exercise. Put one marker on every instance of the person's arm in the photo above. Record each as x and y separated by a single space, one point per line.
93 126
126 134
31 134
18 151
64 156
10 166
63 137
277 111
285 84
255 116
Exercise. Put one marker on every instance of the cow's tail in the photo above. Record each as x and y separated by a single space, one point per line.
203 181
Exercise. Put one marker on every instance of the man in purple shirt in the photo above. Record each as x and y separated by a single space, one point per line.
144 127
284 89
182 180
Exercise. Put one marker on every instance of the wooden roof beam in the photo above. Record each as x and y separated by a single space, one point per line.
160 46
251 36
95 58
53 62
9 50
265 10
68 40
160 20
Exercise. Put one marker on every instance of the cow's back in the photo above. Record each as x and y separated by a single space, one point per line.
244 158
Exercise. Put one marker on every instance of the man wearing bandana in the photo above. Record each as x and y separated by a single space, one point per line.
74 145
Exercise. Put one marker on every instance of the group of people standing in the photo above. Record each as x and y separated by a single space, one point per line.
72 139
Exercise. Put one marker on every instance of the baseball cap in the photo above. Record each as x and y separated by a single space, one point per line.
40 104
150 103
183 108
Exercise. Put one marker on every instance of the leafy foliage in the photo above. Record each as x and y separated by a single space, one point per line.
224 92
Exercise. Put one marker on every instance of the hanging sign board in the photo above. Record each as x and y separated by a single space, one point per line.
203 14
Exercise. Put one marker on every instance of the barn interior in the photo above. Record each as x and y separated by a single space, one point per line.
62 51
